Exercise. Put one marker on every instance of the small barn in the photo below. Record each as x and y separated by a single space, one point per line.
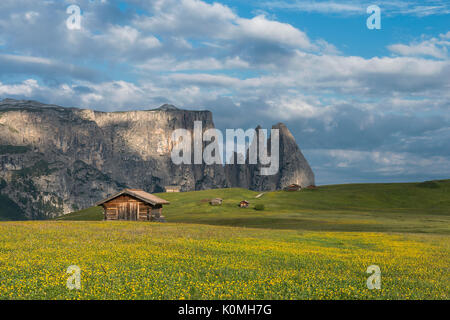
244 204
216 202
171 189
293 187
133 205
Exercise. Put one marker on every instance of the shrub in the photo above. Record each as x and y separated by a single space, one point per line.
259 207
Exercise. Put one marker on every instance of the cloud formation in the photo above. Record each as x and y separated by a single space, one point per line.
358 7
433 47
348 112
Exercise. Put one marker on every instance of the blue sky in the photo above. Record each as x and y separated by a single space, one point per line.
364 105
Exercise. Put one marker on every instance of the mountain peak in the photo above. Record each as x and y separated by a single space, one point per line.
167 107
279 125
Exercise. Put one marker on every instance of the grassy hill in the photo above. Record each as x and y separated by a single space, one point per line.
293 249
396 207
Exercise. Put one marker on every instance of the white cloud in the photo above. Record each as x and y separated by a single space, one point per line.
169 63
186 17
423 11
358 7
197 19
26 88
31 16
434 47
315 6
386 163
19 64
26 59
288 108
118 92
206 56
122 42
206 79
262 29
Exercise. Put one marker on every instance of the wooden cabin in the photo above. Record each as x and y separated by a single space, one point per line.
293 187
133 205
216 202
244 204
171 189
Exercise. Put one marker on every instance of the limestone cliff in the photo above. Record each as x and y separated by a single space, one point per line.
293 167
55 160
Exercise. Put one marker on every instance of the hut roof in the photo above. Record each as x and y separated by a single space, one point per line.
216 201
137 193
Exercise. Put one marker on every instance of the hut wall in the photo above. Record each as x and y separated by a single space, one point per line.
157 211
126 207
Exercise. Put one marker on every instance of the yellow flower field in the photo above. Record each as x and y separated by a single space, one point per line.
128 260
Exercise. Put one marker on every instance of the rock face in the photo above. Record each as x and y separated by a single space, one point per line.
55 160
293 167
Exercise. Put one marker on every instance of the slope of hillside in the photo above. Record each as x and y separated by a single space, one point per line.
396 207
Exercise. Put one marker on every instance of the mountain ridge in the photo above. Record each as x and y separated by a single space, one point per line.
55 160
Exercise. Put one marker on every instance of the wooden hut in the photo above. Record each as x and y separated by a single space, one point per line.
293 187
171 189
133 205
244 204
216 202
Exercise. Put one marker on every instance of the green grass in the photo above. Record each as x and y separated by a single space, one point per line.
137 260
397 207
312 244
89 214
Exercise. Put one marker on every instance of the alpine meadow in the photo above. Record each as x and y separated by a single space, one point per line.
224 159
312 244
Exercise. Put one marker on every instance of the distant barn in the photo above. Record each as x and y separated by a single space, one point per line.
293 187
171 189
244 204
216 202
133 205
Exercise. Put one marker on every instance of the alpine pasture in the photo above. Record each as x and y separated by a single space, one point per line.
311 244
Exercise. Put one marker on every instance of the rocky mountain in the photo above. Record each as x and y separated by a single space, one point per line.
55 160
293 167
